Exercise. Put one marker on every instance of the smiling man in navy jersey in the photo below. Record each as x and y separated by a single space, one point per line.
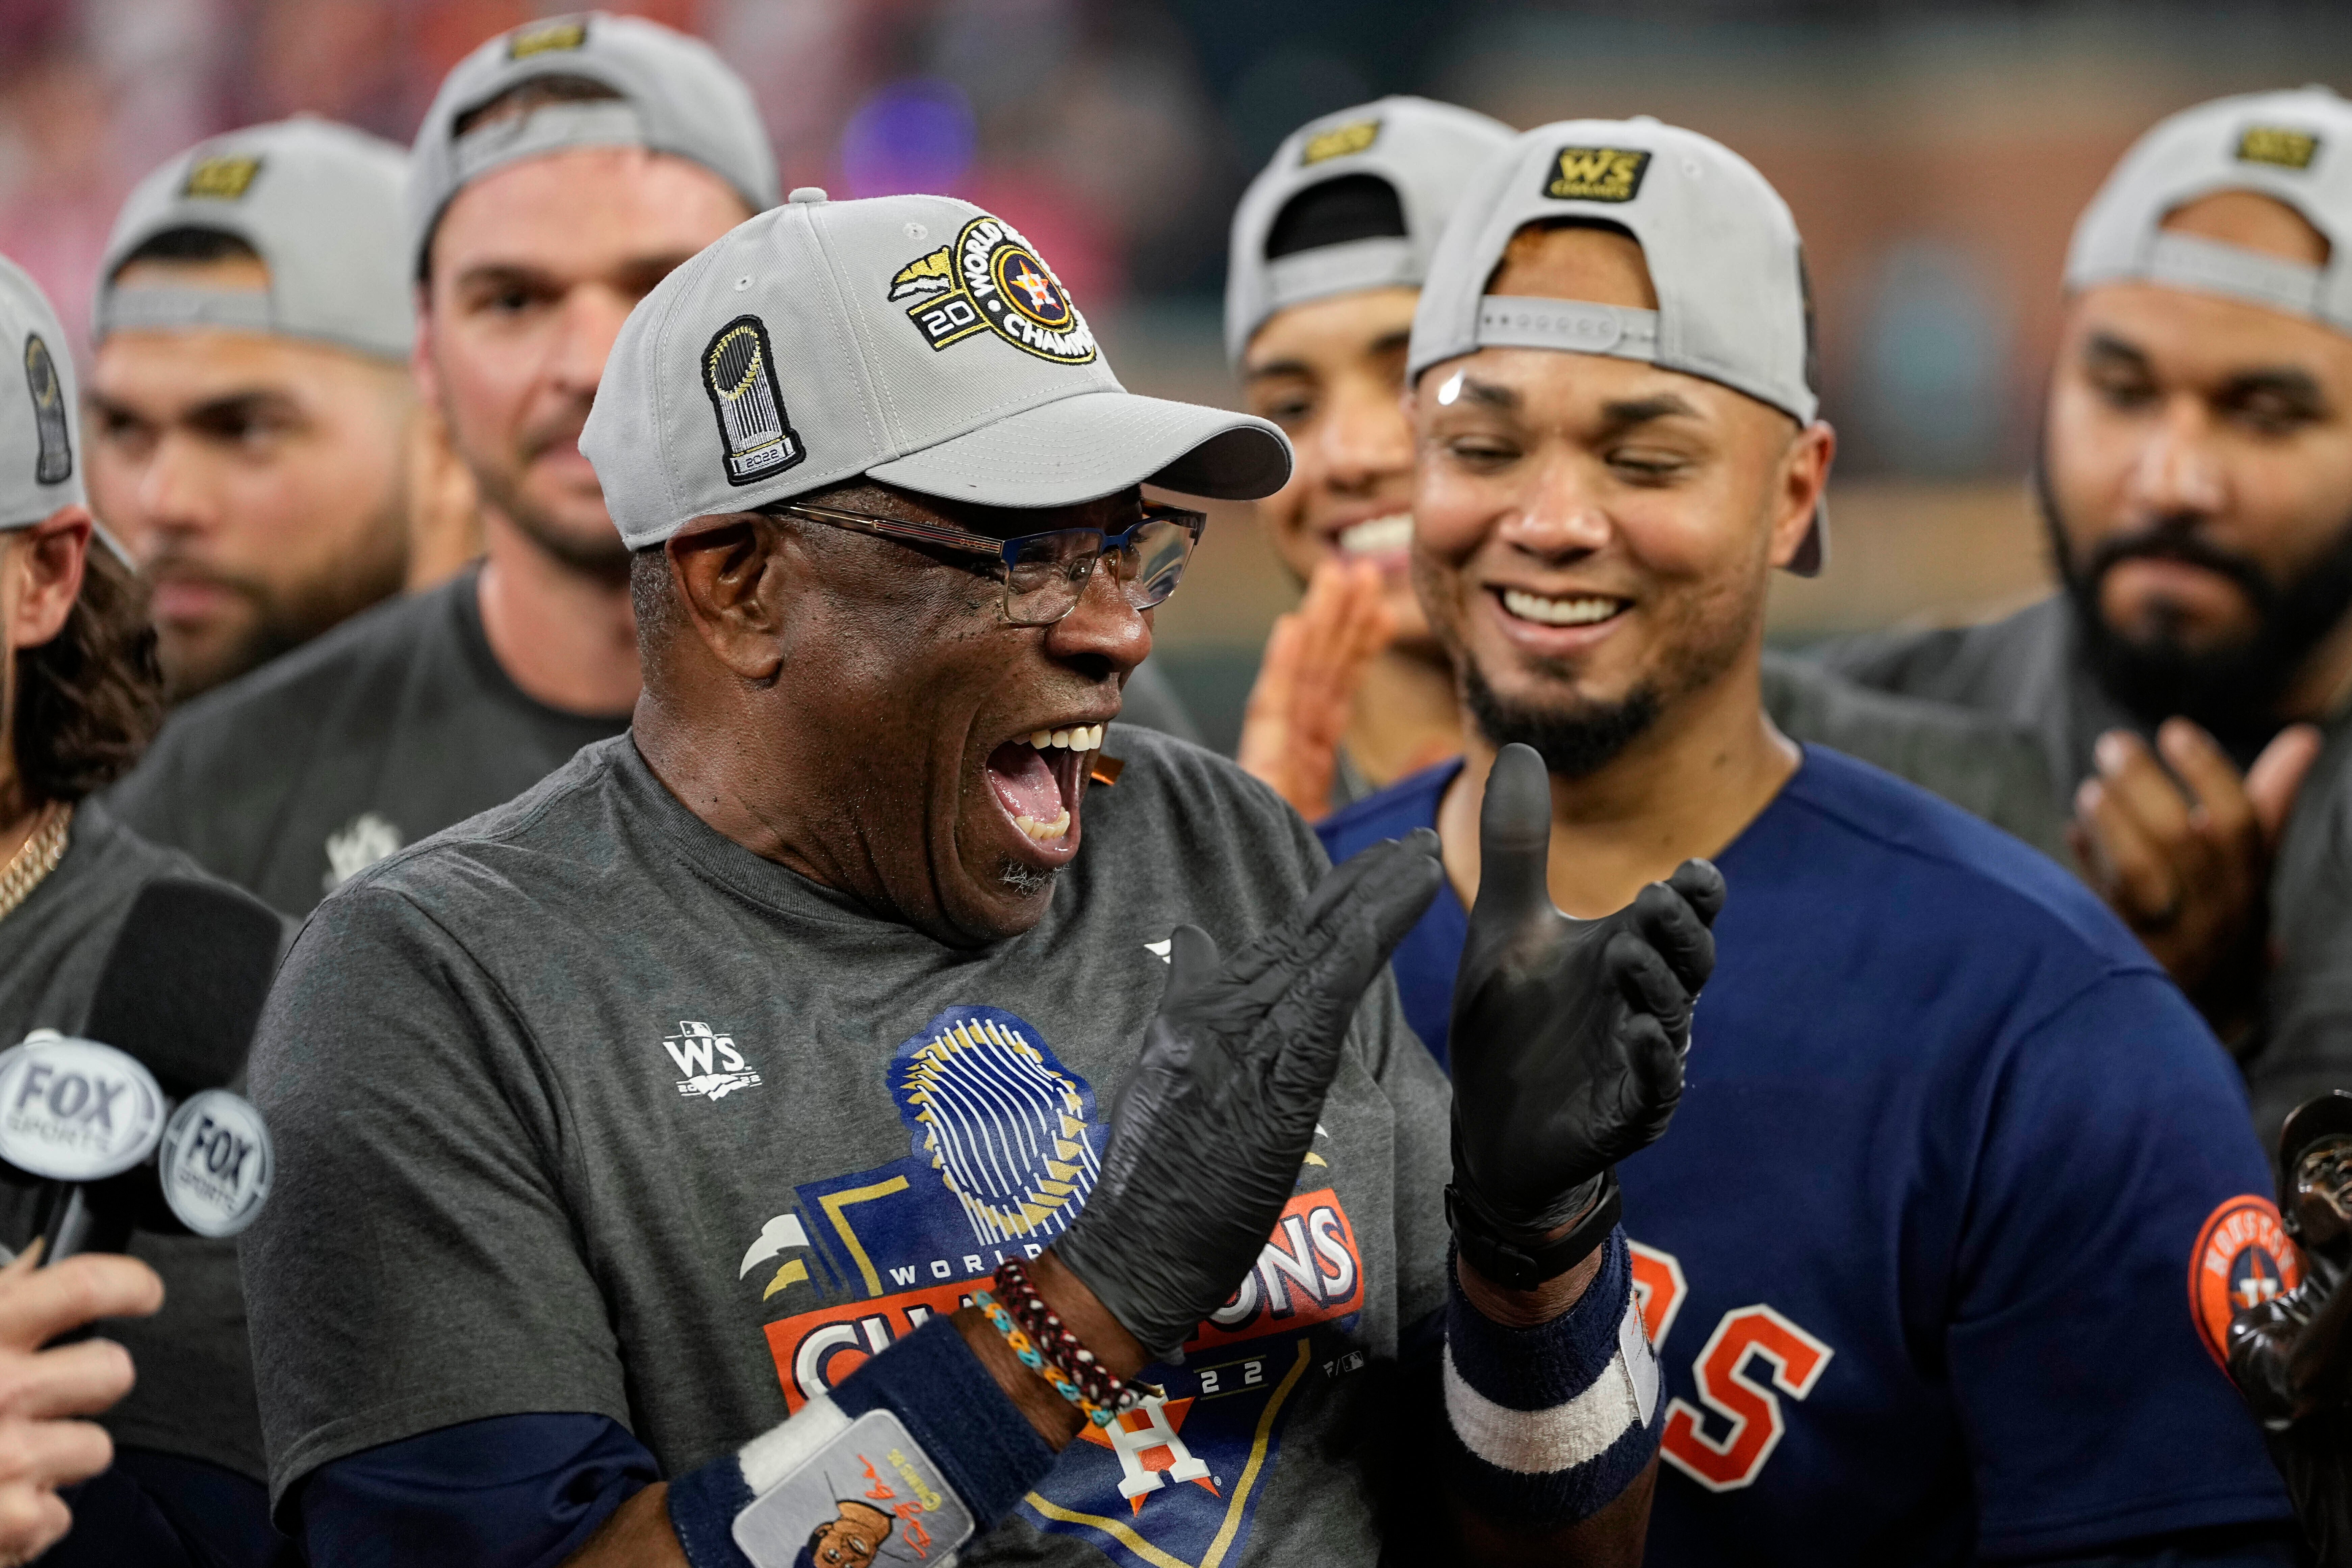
1956 1158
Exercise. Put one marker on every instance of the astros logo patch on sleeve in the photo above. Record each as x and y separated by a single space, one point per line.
2277 145
2242 1259
53 462
992 280
738 371
221 179
1338 143
1596 175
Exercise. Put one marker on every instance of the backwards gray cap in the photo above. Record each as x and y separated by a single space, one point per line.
2294 146
38 438
915 340
1723 253
1426 151
318 202
677 96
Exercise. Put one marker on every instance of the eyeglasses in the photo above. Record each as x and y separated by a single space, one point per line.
1046 574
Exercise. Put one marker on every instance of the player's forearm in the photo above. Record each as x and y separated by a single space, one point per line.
1549 1400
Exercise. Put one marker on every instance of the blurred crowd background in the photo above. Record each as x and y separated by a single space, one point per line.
1935 155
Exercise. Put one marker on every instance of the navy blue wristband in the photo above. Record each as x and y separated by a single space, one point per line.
1550 1425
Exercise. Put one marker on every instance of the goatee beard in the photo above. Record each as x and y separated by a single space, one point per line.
2234 691
1576 741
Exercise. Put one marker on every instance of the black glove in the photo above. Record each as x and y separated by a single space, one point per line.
1567 1035
1208 1132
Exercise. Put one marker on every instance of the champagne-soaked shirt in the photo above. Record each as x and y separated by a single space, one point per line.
582 1107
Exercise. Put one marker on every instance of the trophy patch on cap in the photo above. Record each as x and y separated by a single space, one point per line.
546 38
221 179
738 371
1596 175
53 464
2277 145
990 279
1338 142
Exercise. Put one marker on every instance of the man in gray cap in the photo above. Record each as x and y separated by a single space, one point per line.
2196 479
250 406
839 1090
1330 247
563 170
80 693
1915 1251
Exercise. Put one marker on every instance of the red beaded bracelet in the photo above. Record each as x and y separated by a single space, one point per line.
1055 1341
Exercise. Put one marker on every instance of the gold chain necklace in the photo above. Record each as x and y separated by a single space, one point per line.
36 859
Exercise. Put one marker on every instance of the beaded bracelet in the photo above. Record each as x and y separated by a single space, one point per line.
1045 1326
1022 1346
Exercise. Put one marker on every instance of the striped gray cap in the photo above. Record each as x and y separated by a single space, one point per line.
1426 153
318 202
677 96
40 444
2296 147
916 340
1721 247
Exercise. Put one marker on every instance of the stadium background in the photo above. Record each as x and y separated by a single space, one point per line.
1935 155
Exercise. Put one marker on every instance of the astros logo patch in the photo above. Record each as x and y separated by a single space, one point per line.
223 179
53 462
990 279
2277 145
545 39
739 372
2242 1259
1338 143
1596 175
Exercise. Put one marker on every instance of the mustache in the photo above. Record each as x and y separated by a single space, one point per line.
168 563
2179 538
557 431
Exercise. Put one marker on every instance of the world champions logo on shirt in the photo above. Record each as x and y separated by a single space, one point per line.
1004 1147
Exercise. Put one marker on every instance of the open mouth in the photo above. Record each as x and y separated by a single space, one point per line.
1390 535
1576 610
1037 777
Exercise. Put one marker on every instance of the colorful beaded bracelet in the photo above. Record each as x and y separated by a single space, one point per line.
1025 1348
1044 1327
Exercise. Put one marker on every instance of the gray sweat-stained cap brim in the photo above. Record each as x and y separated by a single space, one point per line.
2293 147
676 97
319 203
1425 150
1721 247
916 340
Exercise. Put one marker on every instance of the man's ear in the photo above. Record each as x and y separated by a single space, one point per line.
1804 476
731 580
40 575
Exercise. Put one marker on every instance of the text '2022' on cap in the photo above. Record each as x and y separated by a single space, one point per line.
2294 147
39 442
1722 248
319 203
1420 153
668 93
915 340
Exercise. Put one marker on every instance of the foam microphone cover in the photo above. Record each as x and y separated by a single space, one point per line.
184 982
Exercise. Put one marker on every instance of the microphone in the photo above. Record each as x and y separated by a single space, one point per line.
170 1021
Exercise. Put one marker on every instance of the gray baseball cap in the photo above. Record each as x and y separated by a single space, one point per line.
916 340
318 202
39 433
677 96
2296 147
1723 252
1424 151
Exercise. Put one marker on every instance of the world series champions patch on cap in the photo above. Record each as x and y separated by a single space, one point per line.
1339 141
53 459
990 279
548 39
224 179
1596 175
739 372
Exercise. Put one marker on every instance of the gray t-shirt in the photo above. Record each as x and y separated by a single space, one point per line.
194 1394
581 1106
2029 671
392 726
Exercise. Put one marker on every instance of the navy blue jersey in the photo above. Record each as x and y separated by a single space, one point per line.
1959 1195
